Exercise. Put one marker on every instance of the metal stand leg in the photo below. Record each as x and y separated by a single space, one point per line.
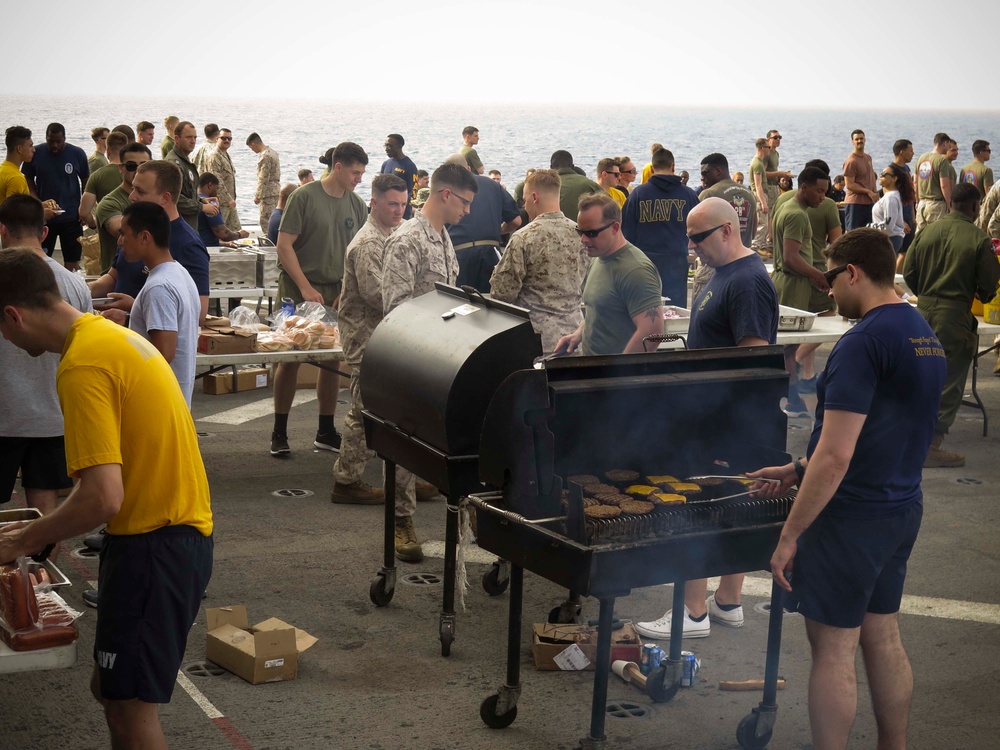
499 710
754 731
447 625
384 585
664 682
598 708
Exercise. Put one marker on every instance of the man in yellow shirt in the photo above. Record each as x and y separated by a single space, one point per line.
19 150
131 443
608 176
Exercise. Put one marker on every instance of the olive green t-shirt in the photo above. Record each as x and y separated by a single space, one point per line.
978 174
325 227
757 166
471 157
931 167
104 180
618 288
792 222
113 204
822 219
771 164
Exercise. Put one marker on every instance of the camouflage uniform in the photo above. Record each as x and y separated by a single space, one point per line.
988 212
268 184
219 164
202 154
360 312
188 205
416 256
543 269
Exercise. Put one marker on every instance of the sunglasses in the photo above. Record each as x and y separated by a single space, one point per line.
592 233
633 170
699 237
225 138
834 273
131 166
775 138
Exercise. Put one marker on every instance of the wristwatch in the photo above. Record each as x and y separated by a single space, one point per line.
800 470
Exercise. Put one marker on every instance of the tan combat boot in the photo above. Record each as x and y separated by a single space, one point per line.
939 458
408 549
426 491
358 493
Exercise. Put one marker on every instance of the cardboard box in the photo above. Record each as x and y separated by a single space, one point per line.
308 376
246 379
215 321
549 640
267 652
226 341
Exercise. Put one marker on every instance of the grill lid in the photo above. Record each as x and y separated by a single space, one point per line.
433 364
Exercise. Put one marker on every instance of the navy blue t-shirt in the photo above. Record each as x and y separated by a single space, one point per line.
272 225
891 367
187 249
405 170
131 276
491 207
60 177
739 301
206 225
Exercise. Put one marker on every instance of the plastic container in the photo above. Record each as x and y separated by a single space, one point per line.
791 319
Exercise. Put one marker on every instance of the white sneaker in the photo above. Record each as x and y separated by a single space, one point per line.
732 619
660 629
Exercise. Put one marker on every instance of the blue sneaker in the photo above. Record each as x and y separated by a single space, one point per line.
808 385
797 408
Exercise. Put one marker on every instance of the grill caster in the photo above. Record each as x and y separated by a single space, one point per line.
379 592
662 685
488 713
747 731
446 629
496 579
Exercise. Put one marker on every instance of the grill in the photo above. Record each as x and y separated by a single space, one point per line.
685 413
428 374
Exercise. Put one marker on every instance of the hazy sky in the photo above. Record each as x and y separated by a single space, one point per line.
879 53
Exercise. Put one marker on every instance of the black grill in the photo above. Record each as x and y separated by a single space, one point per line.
682 413
428 374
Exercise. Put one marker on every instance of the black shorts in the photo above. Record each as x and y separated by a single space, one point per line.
150 589
68 234
847 567
42 462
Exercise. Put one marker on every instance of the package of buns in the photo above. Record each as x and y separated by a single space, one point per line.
273 341
30 619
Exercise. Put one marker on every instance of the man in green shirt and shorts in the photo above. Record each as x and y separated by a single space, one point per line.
319 222
621 297
935 181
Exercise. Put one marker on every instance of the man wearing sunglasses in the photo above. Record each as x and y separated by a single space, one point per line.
107 217
220 164
621 297
738 307
104 180
860 503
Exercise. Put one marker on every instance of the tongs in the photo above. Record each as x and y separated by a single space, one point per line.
539 362
727 476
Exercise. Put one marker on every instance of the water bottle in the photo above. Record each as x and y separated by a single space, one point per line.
288 306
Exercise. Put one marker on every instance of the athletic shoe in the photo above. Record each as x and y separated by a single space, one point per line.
808 385
328 441
797 409
90 598
279 445
732 618
95 541
660 629
408 549
358 493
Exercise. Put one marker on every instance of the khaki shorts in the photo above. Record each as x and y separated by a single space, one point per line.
287 288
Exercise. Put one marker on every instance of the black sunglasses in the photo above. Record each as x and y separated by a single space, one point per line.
225 138
131 166
834 273
592 233
699 237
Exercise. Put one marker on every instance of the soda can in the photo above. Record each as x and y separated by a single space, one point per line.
288 305
646 657
690 666
656 658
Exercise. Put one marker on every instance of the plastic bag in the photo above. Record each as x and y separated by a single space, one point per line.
244 318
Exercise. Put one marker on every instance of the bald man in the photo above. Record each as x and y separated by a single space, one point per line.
738 307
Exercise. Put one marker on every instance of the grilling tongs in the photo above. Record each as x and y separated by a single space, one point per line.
726 476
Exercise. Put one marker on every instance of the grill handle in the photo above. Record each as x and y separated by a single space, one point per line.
659 338
475 295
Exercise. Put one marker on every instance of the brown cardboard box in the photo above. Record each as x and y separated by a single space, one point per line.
246 379
267 652
215 321
226 341
625 644
308 376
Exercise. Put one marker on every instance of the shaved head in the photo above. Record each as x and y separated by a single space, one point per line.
713 229
457 159
715 211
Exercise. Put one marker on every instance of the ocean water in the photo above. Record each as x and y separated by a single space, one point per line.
512 138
